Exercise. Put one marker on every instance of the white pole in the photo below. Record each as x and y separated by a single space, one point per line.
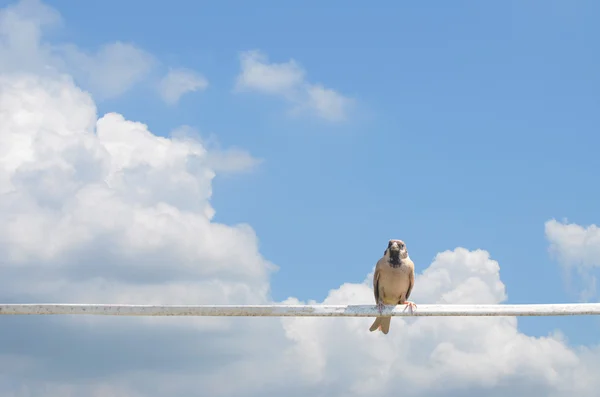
565 309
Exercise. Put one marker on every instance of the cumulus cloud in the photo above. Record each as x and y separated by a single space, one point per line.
575 245
99 209
288 81
437 356
178 82
577 248
72 177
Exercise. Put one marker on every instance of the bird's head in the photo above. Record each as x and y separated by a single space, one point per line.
396 251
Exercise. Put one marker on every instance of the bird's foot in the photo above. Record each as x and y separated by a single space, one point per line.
410 304
380 307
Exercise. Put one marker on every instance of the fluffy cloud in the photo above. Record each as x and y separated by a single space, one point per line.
178 82
278 79
577 248
68 178
108 72
112 70
97 208
288 81
575 245
439 356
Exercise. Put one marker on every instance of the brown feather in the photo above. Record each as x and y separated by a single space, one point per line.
392 283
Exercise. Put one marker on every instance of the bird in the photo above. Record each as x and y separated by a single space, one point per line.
393 282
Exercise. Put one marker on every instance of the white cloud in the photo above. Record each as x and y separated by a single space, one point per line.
178 82
22 26
438 356
107 72
223 161
67 178
232 160
577 248
327 103
574 244
102 210
275 78
288 80
112 70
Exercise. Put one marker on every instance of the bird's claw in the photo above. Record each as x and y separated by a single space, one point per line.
380 307
410 304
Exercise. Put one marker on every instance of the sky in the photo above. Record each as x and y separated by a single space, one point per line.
260 153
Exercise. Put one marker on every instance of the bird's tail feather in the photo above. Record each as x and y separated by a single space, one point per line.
382 323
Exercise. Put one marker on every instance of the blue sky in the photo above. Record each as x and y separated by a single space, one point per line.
460 124
475 123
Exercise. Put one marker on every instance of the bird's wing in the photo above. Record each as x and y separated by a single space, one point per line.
411 282
376 283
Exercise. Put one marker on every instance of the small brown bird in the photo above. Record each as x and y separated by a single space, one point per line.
393 282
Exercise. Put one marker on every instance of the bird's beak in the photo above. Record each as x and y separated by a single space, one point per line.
394 253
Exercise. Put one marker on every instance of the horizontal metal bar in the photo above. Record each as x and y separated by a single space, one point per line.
565 309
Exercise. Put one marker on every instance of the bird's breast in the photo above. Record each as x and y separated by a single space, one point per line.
401 270
395 277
